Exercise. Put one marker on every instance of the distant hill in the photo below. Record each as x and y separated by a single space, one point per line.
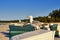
9 21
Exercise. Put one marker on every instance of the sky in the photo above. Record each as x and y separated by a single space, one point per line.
20 9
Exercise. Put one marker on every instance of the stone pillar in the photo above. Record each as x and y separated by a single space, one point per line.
31 18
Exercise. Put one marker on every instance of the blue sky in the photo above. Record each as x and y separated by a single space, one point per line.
19 9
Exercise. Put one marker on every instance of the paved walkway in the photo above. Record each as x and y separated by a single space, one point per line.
57 39
4 32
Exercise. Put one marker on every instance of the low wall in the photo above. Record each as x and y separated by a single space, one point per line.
35 35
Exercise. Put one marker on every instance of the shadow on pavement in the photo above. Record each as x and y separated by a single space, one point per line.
6 34
57 36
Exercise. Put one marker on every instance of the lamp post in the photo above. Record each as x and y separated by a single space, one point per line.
49 21
51 24
49 18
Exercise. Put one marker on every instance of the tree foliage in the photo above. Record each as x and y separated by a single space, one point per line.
55 13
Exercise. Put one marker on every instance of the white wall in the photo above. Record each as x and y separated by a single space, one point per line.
44 36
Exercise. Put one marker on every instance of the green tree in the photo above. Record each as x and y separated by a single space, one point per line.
55 13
